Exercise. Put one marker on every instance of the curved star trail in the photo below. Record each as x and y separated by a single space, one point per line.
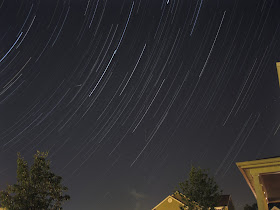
127 94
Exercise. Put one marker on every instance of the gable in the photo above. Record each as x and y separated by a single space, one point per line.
169 203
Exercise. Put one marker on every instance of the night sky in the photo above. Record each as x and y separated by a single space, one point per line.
127 95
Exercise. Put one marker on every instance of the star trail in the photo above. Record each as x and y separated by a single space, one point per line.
127 94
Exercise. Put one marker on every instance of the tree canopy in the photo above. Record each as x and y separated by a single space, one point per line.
36 188
200 189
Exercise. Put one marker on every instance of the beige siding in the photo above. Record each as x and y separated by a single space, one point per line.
169 204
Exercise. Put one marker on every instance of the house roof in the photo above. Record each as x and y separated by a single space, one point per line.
181 198
268 170
224 200
168 198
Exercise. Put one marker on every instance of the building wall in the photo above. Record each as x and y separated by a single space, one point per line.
169 204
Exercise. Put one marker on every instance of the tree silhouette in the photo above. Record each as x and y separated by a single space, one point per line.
36 188
200 189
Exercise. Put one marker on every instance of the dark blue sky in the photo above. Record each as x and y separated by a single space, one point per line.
126 95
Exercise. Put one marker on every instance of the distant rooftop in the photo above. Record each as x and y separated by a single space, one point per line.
224 200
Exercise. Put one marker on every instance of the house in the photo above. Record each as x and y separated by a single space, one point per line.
169 203
177 200
225 203
278 71
274 206
263 178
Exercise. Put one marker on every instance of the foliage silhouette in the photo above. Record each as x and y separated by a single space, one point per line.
200 190
36 188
